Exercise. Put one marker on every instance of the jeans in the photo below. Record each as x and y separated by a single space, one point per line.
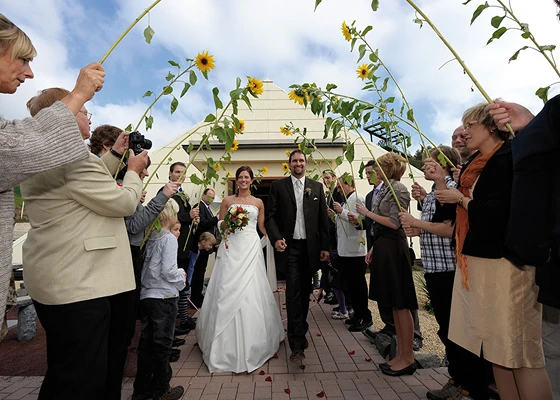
153 369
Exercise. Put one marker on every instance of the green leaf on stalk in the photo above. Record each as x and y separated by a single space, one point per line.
526 35
169 76
128 128
385 82
514 57
339 160
205 74
497 21
238 83
542 93
147 94
246 100
367 117
442 160
373 56
419 22
390 100
192 77
466 2
410 115
149 34
374 5
190 147
366 30
328 124
220 134
149 122
185 89
478 11
217 101
196 180
336 127
497 34
548 47
408 141
317 2
167 90
362 50
352 43
350 152
331 86
174 64
373 177
174 104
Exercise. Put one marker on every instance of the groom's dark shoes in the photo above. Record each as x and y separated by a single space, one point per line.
360 325
297 355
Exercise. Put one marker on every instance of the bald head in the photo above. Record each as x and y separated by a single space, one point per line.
458 142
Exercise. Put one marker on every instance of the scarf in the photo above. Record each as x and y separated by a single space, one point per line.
466 182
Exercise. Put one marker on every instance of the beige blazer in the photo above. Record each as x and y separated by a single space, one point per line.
77 248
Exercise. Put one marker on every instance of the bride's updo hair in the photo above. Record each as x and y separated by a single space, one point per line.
239 171
243 168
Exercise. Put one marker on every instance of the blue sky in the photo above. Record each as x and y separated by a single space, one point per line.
285 41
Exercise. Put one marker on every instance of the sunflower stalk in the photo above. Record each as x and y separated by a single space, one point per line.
121 37
456 55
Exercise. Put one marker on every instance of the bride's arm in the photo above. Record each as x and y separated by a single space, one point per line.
260 218
223 210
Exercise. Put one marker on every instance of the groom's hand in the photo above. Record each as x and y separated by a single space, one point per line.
324 255
280 245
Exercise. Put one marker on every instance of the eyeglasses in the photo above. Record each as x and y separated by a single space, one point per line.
87 114
469 125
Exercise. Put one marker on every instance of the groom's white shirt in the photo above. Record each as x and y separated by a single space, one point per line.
299 229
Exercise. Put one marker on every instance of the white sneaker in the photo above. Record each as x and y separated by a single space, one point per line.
339 315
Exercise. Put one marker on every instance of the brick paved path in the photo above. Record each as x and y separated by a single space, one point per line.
338 365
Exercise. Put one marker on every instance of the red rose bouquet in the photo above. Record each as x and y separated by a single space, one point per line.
235 219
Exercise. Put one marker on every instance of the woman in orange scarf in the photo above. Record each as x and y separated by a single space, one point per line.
494 310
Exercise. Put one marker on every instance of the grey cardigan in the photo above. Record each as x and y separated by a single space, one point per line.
137 223
49 140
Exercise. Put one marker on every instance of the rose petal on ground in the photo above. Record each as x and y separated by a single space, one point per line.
321 394
268 379
287 390
367 359
352 352
261 372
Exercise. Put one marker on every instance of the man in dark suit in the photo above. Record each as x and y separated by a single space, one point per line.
207 223
297 224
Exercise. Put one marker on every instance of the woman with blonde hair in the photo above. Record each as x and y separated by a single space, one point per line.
494 310
391 282
28 147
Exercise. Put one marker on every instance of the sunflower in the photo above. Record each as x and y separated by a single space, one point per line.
285 131
346 32
363 71
265 170
297 95
217 166
204 62
288 153
285 167
228 173
255 85
234 146
241 127
299 146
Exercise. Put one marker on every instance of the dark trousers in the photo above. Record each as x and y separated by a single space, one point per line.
86 347
325 277
298 289
137 263
153 369
354 272
386 313
197 281
465 368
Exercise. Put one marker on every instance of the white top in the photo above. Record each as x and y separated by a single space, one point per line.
299 229
351 241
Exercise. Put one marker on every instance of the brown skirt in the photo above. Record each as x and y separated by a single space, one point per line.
499 316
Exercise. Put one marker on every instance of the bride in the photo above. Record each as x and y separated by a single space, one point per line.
239 327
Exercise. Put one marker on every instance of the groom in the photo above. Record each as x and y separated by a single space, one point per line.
297 225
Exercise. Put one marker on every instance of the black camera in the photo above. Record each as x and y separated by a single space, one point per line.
138 142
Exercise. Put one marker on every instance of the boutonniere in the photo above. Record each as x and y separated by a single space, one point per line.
308 192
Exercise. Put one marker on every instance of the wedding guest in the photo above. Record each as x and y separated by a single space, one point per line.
352 249
78 266
332 194
467 371
161 283
494 308
49 140
391 282
533 234
103 138
208 222
373 177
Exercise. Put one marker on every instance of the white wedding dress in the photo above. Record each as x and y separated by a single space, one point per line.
239 327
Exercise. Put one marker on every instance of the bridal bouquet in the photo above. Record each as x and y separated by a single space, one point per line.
236 218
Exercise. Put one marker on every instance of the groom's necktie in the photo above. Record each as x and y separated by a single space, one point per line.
299 230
